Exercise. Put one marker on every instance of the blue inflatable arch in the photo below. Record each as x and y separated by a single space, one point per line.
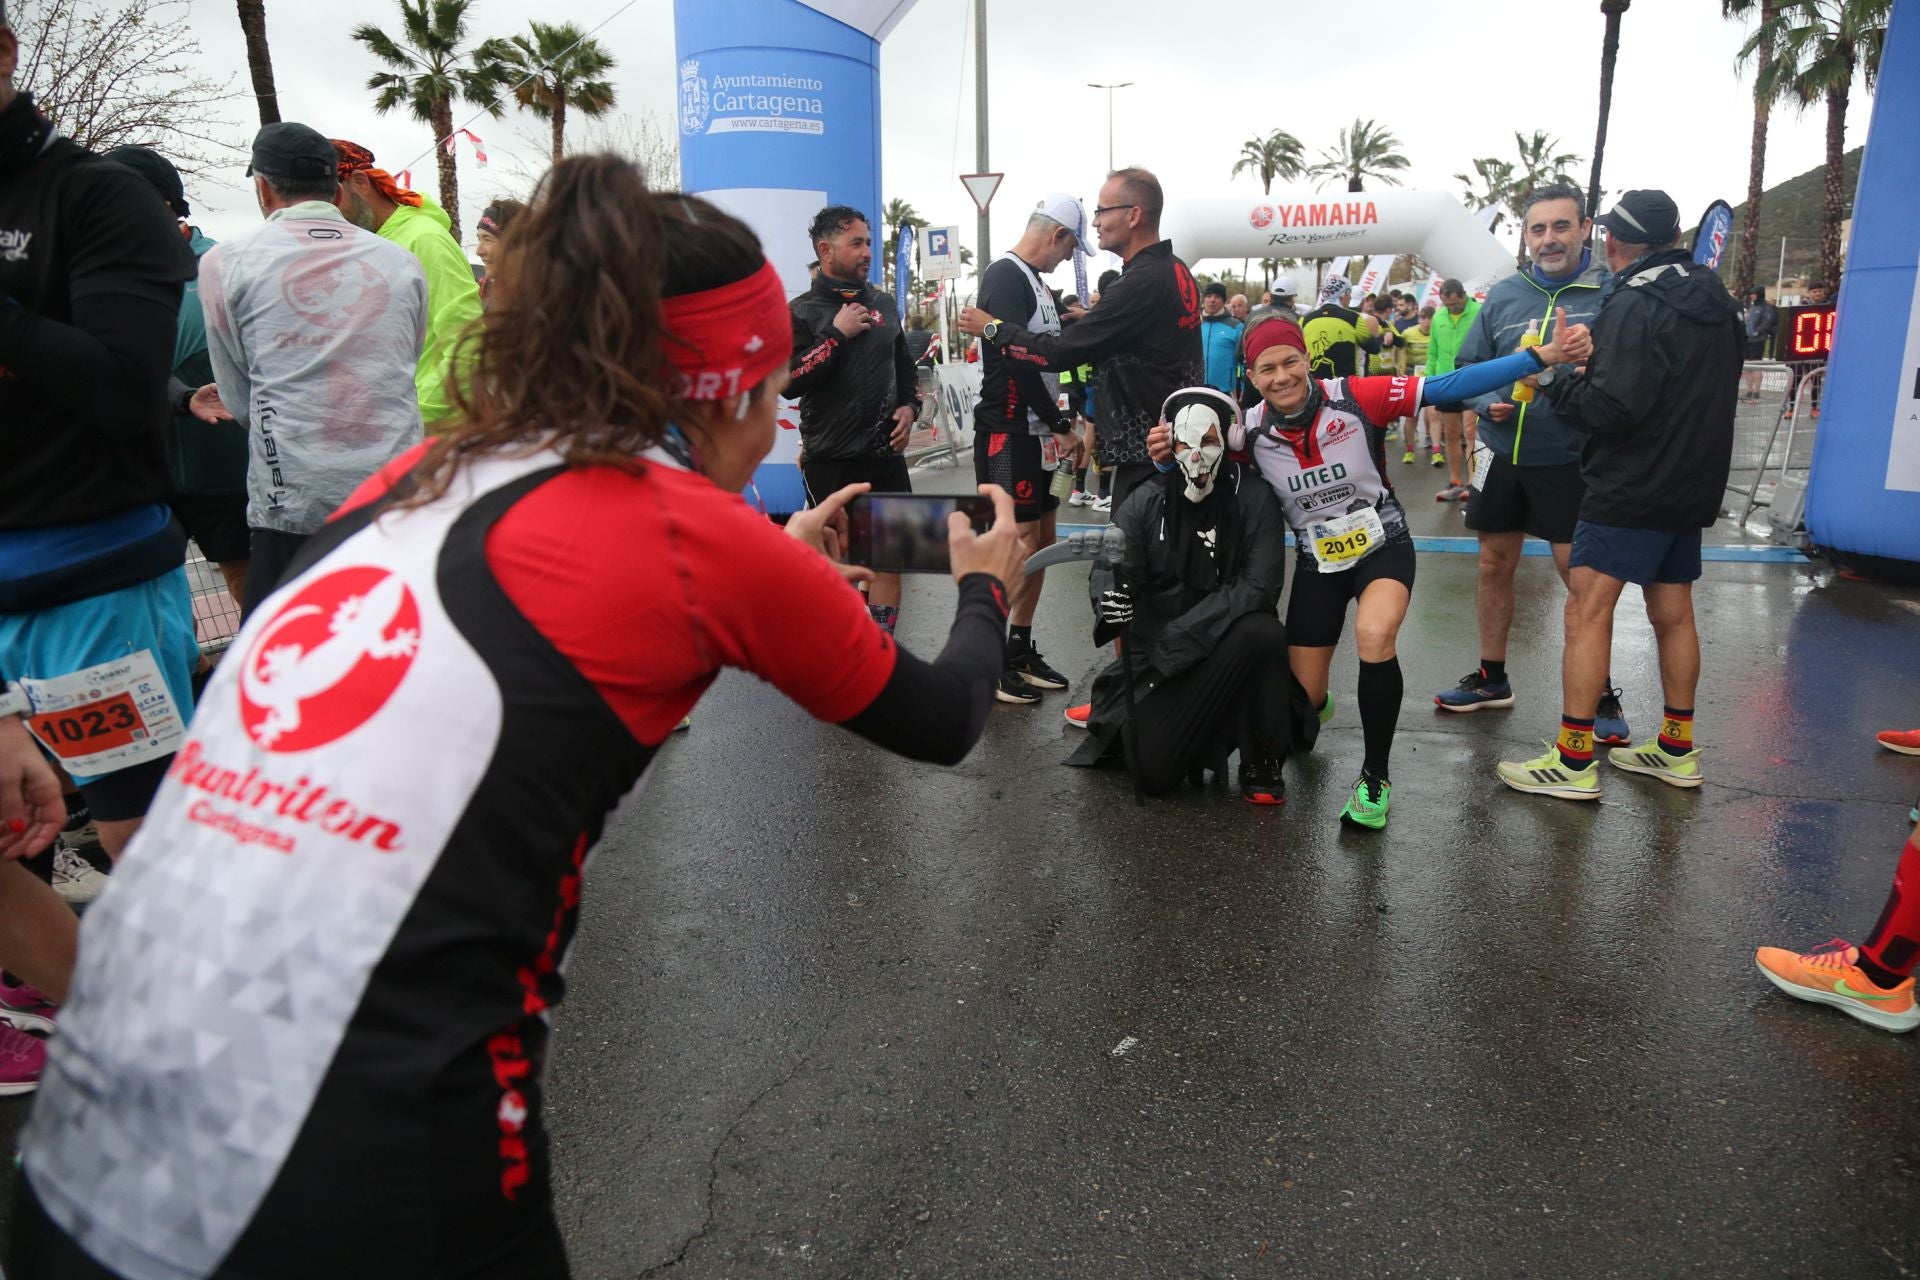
1863 500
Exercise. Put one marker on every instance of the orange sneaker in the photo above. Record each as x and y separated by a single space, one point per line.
1080 715
1905 741
1830 974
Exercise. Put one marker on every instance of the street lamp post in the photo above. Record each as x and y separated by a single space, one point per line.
1110 88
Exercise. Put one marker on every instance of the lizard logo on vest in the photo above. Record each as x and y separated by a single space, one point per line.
328 659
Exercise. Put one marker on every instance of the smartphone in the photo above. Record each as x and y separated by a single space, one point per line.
907 532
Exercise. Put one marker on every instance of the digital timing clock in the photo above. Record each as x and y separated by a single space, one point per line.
1804 333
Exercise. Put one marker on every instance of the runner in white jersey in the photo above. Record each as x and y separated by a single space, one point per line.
1021 433
1322 446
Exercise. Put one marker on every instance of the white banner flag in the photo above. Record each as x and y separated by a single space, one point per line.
1430 296
1374 278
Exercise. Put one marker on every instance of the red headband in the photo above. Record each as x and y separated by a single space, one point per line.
727 340
1273 331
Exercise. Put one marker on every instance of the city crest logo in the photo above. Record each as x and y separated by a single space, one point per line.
695 105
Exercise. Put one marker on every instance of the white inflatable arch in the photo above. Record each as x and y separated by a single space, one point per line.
1322 224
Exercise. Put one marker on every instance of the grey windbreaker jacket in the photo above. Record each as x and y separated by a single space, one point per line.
1535 435
314 328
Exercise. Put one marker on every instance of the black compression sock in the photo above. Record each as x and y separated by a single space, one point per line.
1883 978
1495 672
1381 688
1020 637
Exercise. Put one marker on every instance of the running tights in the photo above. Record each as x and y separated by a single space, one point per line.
1380 689
1894 944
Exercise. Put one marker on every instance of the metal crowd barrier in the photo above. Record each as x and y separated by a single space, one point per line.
948 393
216 615
1773 434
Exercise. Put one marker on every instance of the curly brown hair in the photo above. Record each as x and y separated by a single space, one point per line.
571 354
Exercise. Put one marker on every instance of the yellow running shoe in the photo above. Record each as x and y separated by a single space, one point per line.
1830 974
1648 758
1548 775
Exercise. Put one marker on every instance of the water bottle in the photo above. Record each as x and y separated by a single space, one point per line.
1522 393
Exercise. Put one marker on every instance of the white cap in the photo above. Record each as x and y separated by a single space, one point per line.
1283 287
1071 214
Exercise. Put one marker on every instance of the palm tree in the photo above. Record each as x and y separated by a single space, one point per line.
897 214
1364 151
253 26
1762 58
1609 53
1540 165
1491 184
1818 46
431 68
1278 155
556 70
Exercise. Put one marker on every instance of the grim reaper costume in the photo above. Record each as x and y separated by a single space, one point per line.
1194 605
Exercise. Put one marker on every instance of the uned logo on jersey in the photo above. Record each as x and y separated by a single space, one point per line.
328 659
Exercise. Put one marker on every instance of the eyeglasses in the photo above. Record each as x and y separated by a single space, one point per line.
1111 207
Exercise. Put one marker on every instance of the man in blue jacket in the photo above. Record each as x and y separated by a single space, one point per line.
1526 473
1220 339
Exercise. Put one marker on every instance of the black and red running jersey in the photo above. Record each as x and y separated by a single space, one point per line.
309 1022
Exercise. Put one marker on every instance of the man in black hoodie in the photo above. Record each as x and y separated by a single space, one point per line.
1656 406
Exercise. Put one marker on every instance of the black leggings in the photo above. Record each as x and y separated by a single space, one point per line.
1237 697
40 1250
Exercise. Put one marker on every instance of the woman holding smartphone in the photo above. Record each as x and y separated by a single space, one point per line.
320 988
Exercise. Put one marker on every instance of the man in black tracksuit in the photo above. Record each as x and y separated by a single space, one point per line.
1656 407
1143 338
856 384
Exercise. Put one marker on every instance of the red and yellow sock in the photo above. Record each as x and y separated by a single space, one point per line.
1576 743
1676 731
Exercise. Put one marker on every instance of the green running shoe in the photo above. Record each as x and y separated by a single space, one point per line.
1326 708
1548 775
1648 758
1367 806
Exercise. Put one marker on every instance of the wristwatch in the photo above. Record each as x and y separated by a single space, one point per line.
13 700
991 330
1545 377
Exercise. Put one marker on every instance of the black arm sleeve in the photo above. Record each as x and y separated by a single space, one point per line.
935 711
111 364
906 374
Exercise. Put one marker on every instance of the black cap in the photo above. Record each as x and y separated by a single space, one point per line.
157 170
293 151
1214 289
1643 217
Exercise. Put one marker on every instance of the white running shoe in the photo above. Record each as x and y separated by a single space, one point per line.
1102 504
74 878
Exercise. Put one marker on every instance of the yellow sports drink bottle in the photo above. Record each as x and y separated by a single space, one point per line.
1522 393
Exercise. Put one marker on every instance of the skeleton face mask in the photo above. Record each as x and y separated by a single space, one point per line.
1198 447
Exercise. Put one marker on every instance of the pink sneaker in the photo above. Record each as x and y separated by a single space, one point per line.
21 1058
25 1007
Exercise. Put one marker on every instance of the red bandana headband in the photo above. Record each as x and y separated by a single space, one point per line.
725 341
1273 331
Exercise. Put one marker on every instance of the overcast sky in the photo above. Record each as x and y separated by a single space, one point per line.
1452 78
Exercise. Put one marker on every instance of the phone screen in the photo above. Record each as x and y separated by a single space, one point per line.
907 532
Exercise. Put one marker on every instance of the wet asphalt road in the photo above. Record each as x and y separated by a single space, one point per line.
835 1014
